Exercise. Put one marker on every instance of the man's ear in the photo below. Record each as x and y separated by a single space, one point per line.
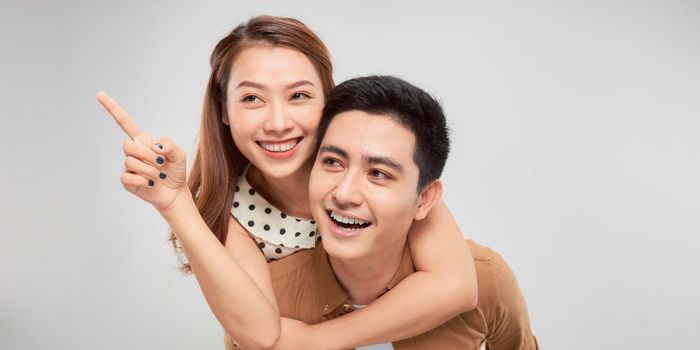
427 198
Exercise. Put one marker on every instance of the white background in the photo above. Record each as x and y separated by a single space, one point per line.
575 155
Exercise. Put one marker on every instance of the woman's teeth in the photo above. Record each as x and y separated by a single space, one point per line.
357 223
279 147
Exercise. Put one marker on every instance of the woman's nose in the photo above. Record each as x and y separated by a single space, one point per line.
278 121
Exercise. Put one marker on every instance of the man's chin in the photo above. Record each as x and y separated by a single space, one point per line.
340 248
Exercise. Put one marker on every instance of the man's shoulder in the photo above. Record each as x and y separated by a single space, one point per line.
495 277
297 263
501 310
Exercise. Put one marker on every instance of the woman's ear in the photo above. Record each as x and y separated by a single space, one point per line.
427 198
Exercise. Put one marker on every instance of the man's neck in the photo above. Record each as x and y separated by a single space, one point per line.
289 194
364 279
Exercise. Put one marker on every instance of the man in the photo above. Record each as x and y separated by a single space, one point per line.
383 144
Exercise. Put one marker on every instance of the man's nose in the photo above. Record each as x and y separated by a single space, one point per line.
348 192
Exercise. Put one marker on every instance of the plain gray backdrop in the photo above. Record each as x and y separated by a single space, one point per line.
575 155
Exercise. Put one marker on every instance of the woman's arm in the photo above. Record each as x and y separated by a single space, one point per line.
234 279
237 284
444 286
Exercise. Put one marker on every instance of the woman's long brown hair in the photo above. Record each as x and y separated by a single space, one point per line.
217 161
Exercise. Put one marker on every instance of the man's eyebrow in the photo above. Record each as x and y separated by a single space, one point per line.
262 87
385 161
333 149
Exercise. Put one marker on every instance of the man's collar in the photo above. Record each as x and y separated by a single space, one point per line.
332 293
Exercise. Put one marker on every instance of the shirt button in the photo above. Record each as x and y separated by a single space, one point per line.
347 308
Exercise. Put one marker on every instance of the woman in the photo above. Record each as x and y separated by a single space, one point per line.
269 80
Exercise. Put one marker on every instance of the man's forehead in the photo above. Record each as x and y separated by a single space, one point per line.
370 136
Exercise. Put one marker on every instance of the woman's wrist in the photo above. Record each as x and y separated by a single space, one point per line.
182 203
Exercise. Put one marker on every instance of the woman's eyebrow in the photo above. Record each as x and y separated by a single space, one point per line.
248 83
298 84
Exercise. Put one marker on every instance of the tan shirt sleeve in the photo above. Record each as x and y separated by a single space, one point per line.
508 322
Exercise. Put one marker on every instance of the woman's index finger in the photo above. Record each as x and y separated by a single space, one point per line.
119 114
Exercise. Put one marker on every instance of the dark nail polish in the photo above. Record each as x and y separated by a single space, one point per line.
159 145
162 175
151 183
160 160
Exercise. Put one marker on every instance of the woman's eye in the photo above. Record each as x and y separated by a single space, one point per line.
299 96
250 98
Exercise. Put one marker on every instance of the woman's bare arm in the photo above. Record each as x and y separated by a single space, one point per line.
235 279
235 282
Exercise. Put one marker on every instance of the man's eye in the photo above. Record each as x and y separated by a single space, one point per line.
378 174
331 162
299 96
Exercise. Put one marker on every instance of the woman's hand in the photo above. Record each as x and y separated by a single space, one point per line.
155 170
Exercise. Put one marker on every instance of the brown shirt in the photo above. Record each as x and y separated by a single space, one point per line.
307 290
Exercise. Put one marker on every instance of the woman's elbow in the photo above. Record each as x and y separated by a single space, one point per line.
466 292
262 338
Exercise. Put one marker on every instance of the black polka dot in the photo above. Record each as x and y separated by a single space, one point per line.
261 245
312 233
313 222
237 188
297 234
296 246
268 210
251 223
283 215
266 227
281 245
251 191
283 231
298 220
251 207
235 204
278 250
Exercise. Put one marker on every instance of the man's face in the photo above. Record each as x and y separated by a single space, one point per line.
363 185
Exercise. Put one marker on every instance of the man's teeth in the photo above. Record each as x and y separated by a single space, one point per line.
279 147
351 221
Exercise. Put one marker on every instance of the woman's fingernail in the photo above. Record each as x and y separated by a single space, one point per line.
162 175
160 160
159 145
150 183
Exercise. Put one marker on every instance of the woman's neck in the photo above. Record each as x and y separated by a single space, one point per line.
289 194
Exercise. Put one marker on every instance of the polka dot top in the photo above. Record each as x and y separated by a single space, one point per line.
276 233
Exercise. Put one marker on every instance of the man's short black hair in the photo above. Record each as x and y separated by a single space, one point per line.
406 104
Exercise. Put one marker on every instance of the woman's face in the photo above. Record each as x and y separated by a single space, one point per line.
274 103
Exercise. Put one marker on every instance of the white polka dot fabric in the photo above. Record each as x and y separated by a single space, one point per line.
276 233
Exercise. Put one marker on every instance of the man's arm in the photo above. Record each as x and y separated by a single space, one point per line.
505 309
